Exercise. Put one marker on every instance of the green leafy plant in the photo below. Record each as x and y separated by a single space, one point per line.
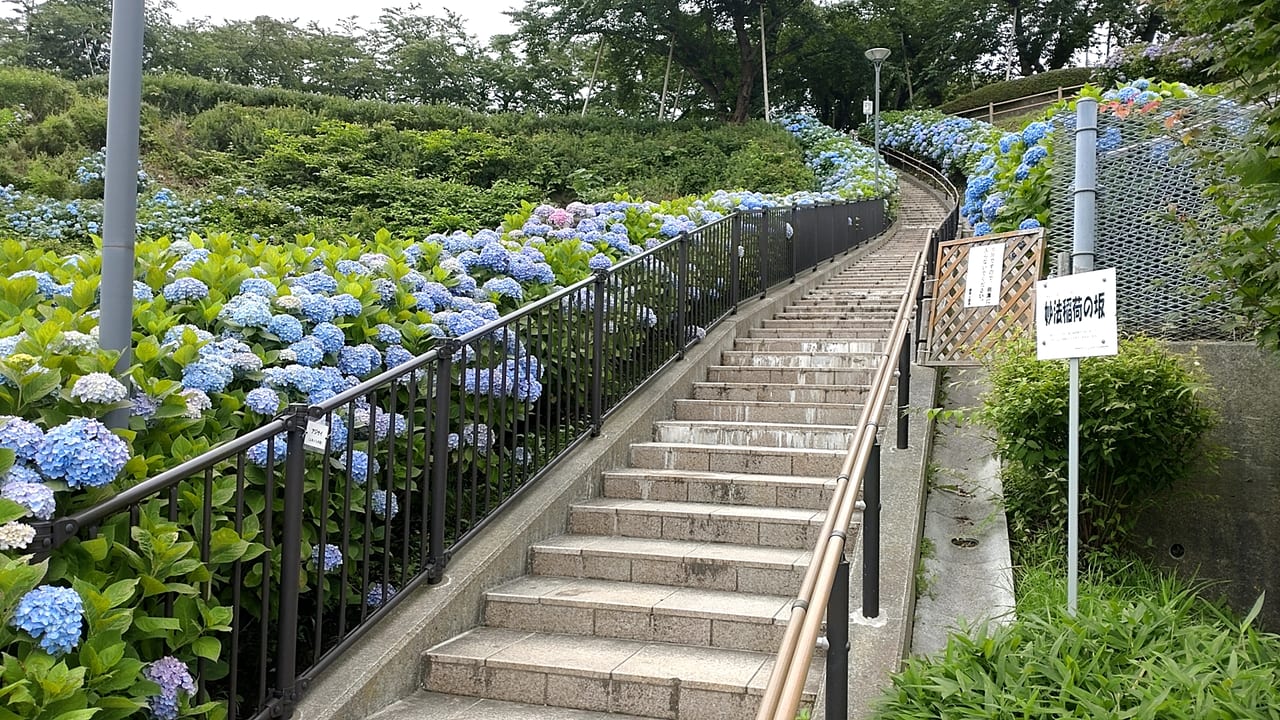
1142 424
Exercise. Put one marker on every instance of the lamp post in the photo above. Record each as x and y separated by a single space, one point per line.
877 57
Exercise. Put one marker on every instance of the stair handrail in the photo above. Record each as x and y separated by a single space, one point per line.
791 667
929 173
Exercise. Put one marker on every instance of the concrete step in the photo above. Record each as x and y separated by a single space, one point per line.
681 563
838 314
424 705
844 332
766 412
847 360
702 522
736 458
704 486
790 375
755 392
637 611
804 345
752 434
881 325
654 680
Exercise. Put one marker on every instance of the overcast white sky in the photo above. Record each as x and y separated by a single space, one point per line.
484 17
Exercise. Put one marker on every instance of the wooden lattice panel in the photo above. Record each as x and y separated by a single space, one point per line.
957 334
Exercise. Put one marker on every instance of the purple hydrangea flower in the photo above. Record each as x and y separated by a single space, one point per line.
173 677
37 498
22 437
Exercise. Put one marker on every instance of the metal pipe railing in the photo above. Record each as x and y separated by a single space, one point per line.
786 682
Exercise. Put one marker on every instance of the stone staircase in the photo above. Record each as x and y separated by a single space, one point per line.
668 594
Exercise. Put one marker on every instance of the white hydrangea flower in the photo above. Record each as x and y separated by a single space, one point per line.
16 536
100 388
289 302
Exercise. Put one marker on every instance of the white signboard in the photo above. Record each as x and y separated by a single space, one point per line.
986 268
867 108
1076 315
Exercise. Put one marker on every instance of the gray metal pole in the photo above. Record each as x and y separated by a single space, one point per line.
662 106
877 108
1073 488
764 64
120 205
1086 193
592 83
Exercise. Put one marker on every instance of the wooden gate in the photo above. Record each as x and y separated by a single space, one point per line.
960 333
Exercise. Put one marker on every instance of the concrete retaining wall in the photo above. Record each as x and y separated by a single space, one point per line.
1226 526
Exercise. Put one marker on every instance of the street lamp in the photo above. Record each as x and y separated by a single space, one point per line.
877 57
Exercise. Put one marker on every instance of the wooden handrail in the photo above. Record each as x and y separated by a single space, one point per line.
996 108
791 667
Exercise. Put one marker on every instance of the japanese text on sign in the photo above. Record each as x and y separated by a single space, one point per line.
982 281
1075 309
1076 316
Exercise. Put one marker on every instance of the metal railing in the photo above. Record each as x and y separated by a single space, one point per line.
824 591
306 531
1019 106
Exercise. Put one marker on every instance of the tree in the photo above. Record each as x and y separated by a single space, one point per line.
717 42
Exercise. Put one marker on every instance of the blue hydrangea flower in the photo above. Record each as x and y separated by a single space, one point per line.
1109 140
20 472
53 616
37 498
385 505
258 454
982 228
454 441
1036 131
359 360
345 305
286 327
386 290
493 257
337 433
1022 172
83 452
185 289
308 351
522 455
144 406
504 287
329 336
379 594
478 436
317 308
258 286
351 267
209 375
142 292
388 334
332 557
176 334
1033 156
316 282
1008 141
263 401
173 677
360 466
397 355
1029 224
600 261
22 437
247 311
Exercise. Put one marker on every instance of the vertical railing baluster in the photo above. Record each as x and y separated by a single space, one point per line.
440 461
597 352
871 534
291 559
682 294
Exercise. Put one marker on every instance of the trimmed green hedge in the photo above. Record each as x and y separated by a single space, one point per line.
1018 88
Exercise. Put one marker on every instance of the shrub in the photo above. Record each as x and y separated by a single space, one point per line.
42 94
1018 88
1144 647
1142 422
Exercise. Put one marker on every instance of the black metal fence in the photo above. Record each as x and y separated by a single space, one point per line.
290 541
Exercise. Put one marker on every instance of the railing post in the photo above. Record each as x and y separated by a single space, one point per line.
762 236
838 643
295 477
735 260
682 292
795 265
871 534
597 342
440 462
904 391
991 113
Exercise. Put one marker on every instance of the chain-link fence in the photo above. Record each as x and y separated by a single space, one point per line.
1148 185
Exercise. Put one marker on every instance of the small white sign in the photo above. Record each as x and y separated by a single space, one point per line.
867 108
317 435
986 268
1076 316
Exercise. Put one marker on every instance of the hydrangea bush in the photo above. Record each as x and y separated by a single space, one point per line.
229 331
1007 173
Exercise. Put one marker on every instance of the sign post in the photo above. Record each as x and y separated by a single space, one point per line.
1075 318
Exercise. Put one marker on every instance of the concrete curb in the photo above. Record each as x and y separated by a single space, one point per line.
385 665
